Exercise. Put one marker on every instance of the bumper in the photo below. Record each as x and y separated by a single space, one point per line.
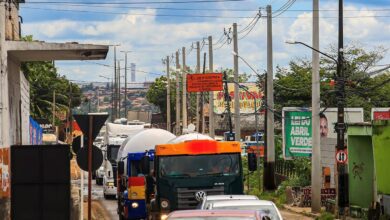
109 190
135 212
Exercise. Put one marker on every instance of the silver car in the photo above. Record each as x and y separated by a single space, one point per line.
208 200
267 207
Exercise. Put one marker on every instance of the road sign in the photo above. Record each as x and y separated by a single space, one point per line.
82 158
204 82
342 156
98 121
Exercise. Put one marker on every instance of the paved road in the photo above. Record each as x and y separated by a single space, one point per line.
109 205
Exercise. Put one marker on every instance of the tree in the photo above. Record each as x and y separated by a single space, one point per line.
292 85
44 81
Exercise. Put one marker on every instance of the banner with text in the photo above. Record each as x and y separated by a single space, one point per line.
247 103
297 138
297 128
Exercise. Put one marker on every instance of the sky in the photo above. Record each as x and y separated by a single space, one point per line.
155 29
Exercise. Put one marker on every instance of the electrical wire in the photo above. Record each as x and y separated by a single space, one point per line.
255 18
287 6
137 14
132 3
195 16
250 30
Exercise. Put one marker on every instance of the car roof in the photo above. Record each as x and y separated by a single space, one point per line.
210 213
241 203
232 197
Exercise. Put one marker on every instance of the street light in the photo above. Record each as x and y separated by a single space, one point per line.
298 42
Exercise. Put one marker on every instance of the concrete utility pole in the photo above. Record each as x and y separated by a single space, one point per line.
211 94
125 98
269 166
184 74
119 89
198 93
114 113
177 94
315 114
342 169
203 94
237 120
168 97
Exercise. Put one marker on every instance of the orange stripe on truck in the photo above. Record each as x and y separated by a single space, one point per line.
196 147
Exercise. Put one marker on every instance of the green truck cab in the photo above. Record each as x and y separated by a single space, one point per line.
186 172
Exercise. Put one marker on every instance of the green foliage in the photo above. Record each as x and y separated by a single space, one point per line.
44 81
293 85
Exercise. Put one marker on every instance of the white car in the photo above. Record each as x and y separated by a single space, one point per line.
265 206
208 200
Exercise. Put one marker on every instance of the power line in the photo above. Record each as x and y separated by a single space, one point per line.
138 14
255 19
132 3
285 8
251 28
196 16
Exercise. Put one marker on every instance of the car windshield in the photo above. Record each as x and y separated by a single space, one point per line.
213 218
199 165
268 210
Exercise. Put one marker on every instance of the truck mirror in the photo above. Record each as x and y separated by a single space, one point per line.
145 165
252 162
121 168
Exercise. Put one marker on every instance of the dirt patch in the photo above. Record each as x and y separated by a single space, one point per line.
98 212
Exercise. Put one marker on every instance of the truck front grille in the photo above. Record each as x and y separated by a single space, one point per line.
186 196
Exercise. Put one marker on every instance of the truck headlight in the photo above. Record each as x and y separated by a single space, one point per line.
164 204
134 205
164 217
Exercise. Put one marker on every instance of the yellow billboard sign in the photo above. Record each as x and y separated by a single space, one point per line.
247 102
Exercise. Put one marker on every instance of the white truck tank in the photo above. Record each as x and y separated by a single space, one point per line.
190 137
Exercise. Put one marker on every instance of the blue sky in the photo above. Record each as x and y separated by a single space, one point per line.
145 30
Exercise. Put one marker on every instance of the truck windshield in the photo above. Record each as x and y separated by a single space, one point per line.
199 165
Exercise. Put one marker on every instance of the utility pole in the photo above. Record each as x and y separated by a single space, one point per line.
342 169
125 98
114 113
184 74
211 94
269 166
198 93
119 89
315 115
177 94
203 94
237 119
54 109
168 97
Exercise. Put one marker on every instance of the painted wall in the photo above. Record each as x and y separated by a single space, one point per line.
361 169
381 142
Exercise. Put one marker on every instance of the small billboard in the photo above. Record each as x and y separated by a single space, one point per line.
297 128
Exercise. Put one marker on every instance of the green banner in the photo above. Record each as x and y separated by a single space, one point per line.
297 138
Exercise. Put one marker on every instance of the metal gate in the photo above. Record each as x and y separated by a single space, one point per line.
40 182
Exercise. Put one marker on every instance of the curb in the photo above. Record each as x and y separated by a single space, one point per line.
308 214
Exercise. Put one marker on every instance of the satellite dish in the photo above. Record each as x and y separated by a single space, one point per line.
191 128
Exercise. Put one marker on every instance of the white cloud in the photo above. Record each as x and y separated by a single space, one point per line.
146 33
